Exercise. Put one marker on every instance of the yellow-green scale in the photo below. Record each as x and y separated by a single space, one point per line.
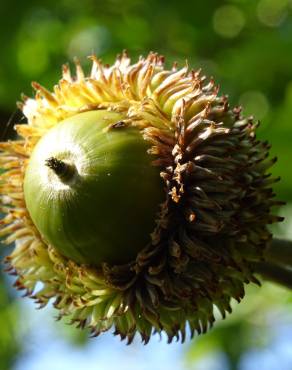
104 209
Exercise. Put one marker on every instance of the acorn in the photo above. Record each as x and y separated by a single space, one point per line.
65 182
137 197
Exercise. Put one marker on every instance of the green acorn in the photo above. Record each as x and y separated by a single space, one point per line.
138 198
92 193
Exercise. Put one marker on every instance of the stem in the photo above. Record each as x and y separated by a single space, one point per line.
64 170
279 252
277 266
275 273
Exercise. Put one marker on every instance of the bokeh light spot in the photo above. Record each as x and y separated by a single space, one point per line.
272 12
254 103
228 21
94 39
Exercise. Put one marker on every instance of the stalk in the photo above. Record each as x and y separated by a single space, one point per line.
280 252
275 273
278 265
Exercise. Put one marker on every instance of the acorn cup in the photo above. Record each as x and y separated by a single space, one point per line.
137 197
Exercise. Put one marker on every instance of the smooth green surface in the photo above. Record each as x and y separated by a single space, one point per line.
108 211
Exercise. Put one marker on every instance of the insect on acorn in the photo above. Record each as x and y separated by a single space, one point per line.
137 197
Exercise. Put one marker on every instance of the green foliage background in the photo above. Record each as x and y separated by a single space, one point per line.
247 47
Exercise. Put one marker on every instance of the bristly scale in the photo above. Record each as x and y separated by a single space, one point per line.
212 224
